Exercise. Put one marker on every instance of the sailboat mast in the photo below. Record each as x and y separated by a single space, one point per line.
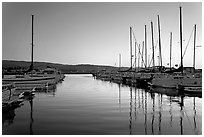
139 56
194 46
135 55
130 47
159 43
152 44
170 48
142 62
119 61
181 39
145 47
31 67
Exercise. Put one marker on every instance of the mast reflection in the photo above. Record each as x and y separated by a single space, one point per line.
170 111
130 119
31 115
181 116
160 113
119 99
145 113
194 117
142 101
135 105
138 97
153 111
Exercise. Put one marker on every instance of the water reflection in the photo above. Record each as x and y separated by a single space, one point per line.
138 95
8 118
153 111
135 111
172 96
31 115
182 114
119 98
130 119
146 112
142 101
170 111
160 113
196 130
194 117
48 91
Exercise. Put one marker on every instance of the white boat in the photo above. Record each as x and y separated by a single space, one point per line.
46 79
49 76
174 80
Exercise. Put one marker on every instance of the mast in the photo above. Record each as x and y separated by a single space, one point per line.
194 46
159 43
31 66
181 39
130 47
119 61
135 56
170 48
152 44
145 47
139 56
142 54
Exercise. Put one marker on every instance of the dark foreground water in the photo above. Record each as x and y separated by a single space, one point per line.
84 105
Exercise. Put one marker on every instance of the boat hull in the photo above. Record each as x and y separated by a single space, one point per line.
174 82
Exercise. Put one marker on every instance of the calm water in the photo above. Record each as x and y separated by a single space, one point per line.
84 105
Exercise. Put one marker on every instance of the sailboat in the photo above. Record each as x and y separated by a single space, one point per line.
144 75
193 88
178 80
47 77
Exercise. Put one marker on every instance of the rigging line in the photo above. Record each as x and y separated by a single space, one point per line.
151 57
155 47
187 45
150 62
188 42
137 46
134 35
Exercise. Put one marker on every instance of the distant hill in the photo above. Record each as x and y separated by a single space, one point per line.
81 68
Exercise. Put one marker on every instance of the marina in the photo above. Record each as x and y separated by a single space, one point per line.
186 79
155 94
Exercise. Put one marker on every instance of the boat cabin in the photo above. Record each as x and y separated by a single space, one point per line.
49 71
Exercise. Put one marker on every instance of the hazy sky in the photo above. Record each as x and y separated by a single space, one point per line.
95 33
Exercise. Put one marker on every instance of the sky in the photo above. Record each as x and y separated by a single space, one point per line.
96 33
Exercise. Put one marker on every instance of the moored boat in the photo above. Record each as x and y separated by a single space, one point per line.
174 80
187 82
49 76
